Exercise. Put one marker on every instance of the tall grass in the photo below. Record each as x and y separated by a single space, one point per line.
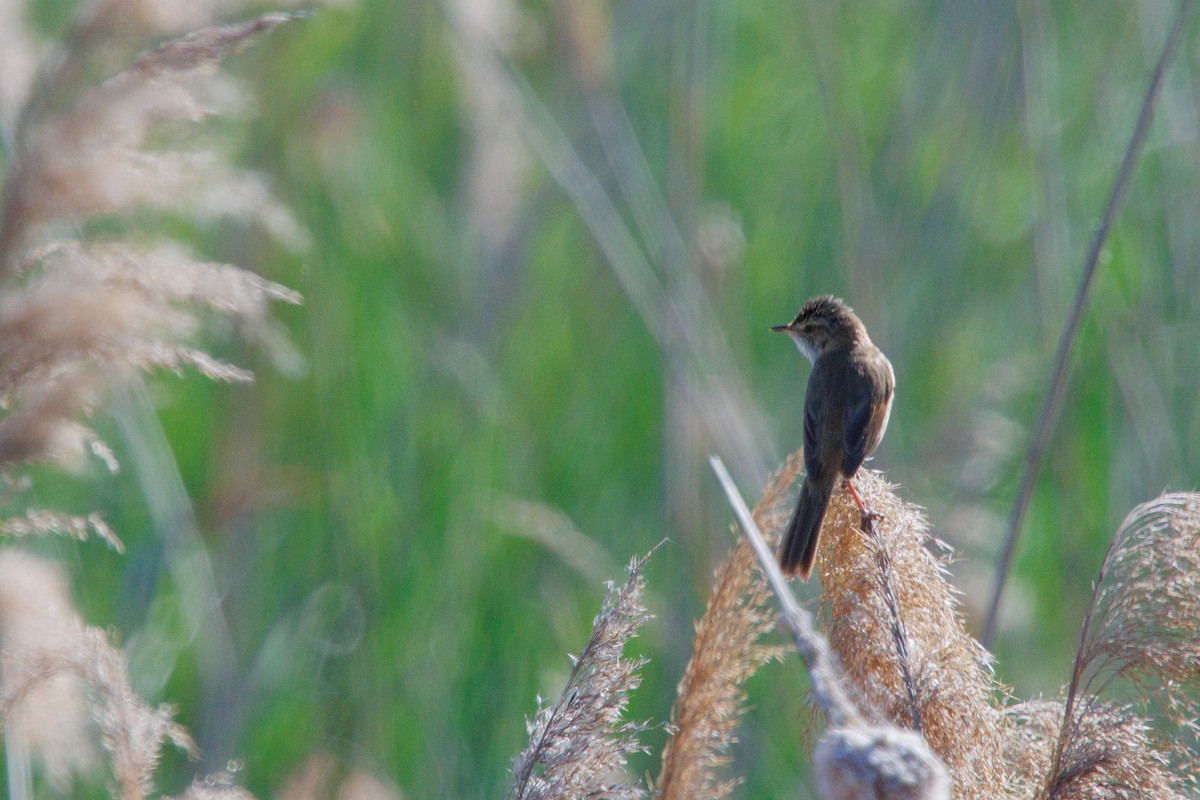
82 314
321 574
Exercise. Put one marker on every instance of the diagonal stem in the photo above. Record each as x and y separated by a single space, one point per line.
823 669
1050 410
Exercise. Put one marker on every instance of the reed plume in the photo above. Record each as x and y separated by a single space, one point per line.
1141 634
941 682
726 652
82 313
579 744
50 721
131 732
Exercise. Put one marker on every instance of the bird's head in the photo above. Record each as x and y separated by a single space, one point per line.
824 323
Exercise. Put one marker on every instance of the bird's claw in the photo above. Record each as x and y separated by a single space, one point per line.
869 518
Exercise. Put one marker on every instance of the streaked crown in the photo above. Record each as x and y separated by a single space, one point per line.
824 323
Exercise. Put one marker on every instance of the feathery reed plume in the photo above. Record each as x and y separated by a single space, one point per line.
78 316
855 759
51 719
131 732
725 654
1142 628
40 521
576 745
94 159
941 675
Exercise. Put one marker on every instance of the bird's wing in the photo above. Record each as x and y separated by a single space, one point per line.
813 413
864 416
855 426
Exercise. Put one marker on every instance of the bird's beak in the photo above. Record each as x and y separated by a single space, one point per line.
781 328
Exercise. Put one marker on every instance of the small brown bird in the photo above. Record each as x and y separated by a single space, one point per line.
846 410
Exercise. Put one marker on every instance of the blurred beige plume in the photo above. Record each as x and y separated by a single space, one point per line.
80 315
321 777
49 720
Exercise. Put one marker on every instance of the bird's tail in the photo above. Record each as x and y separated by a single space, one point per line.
799 547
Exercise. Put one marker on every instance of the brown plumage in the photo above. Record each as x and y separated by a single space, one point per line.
846 410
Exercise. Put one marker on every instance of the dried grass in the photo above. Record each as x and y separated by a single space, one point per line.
579 744
79 316
726 651
51 719
947 677
56 670
907 690
95 158
1142 635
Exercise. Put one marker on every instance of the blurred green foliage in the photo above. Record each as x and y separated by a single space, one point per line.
939 164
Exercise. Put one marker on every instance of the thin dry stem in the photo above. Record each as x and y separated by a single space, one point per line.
1058 381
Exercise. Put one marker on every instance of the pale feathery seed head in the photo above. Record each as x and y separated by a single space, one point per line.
1141 635
578 746
954 688
38 615
726 652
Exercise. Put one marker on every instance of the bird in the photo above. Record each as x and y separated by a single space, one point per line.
846 409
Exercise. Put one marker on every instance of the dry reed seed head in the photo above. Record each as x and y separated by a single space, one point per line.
131 732
166 273
1147 611
43 425
878 764
710 698
1112 754
1144 628
93 158
51 717
579 744
725 653
40 522
109 309
947 675
1033 727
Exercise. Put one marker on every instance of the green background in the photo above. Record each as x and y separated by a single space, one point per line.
941 165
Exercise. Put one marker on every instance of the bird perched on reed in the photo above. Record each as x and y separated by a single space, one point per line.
846 409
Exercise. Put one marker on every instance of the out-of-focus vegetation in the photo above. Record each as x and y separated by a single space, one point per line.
500 405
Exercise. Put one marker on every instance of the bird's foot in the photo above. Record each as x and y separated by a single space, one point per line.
867 519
